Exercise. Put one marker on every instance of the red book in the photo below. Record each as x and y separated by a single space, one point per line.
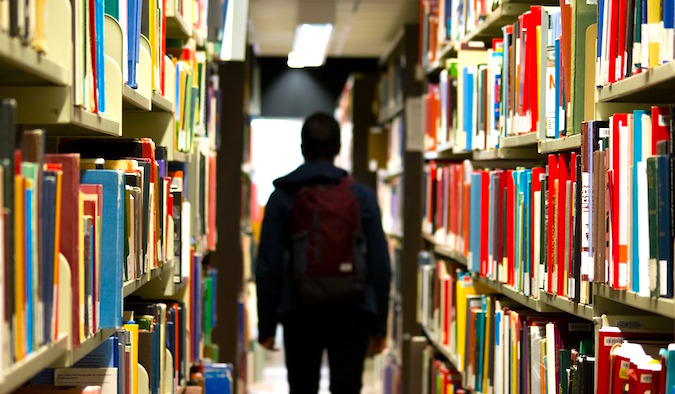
563 177
510 226
499 275
440 186
619 166
484 218
552 177
640 380
660 125
466 199
69 244
621 41
92 49
93 206
613 38
454 206
535 21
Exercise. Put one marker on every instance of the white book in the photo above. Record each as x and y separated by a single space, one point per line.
623 204
536 239
499 348
537 333
551 387
82 377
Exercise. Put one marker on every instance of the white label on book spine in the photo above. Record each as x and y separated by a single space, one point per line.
663 272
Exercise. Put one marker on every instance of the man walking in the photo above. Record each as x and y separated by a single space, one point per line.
323 268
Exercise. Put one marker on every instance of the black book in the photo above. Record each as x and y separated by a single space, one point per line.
7 148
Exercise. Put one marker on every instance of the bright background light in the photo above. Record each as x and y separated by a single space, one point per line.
310 45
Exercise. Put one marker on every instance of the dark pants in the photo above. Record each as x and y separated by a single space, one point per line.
344 334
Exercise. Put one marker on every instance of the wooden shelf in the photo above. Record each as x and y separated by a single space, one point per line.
491 26
87 124
391 173
518 141
651 86
509 292
86 347
442 349
388 114
394 234
22 65
566 305
450 254
560 144
486 155
161 104
21 372
181 156
177 28
133 100
446 152
132 286
662 306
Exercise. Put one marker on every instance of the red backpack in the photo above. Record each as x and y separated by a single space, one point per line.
328 243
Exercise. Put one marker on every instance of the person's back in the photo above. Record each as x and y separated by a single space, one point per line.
345 309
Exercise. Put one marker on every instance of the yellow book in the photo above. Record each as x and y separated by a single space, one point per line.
465 288
19 268
80 233
57 252
655 28
488 342
40 41
133 329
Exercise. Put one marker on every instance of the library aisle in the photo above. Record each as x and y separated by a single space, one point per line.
274 377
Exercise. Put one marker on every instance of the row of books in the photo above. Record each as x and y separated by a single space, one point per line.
499 345
191 89
633 36
25 21
439 376
390 87
523 83
599 216
89 55
444 22
111 211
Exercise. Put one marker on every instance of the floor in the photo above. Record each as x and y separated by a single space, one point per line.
274 377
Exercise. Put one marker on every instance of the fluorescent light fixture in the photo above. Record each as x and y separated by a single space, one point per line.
310 45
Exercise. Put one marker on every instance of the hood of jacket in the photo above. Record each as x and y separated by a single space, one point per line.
310 173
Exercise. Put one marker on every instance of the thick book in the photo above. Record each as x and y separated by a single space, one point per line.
112 237
70 225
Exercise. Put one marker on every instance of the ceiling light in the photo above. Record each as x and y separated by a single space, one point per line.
310 45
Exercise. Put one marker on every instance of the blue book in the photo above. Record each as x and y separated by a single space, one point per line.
527 219
670 369
30 329
223 18
218 378
100 55
475 223
467 122
665 248
112 236
48 249
668 14
104 356
601 23
133 46
637 157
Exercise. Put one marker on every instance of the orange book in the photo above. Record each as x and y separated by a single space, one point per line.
19 267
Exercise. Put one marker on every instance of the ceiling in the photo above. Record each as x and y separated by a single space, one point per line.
362 28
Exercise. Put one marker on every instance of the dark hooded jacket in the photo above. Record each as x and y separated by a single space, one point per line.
276 298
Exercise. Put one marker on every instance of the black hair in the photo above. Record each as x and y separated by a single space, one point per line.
320 137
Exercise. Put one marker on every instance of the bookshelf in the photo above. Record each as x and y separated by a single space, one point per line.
41 83
596 294
651 86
